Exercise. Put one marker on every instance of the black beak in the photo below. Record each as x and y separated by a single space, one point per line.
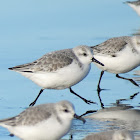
79 118
94 60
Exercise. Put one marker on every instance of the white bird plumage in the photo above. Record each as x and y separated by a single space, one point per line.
119 55
59 69
42 122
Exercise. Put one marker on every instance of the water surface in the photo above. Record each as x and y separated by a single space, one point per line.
29 29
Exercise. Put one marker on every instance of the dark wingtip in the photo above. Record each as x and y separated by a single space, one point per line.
10 68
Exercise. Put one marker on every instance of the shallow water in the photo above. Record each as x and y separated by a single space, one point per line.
29 29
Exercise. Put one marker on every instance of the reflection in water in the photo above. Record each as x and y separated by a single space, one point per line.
117 101
130 98
138 75
108 119
116 118
119 117
117 113
137 72
112 112
111 135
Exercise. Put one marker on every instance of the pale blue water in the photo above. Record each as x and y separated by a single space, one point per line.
29 29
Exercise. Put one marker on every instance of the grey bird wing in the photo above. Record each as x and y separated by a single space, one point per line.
48 63
30 116
133 2
111 46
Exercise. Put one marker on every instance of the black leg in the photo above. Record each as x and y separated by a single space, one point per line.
33 103
11 135
98 88
86 101
131 80
87 112
71 137
102 105
133 96
130 98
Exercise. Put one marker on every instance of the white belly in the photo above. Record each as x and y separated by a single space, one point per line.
124 61
61 79
47 130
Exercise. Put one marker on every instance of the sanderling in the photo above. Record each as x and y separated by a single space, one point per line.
119 55
135 5
111 135
59 69
42 122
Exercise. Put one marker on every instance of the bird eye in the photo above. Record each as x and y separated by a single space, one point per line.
84 54
66 110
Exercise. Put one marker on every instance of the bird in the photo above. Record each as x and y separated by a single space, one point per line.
119 55
59 69
49 121
111 135
135 5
